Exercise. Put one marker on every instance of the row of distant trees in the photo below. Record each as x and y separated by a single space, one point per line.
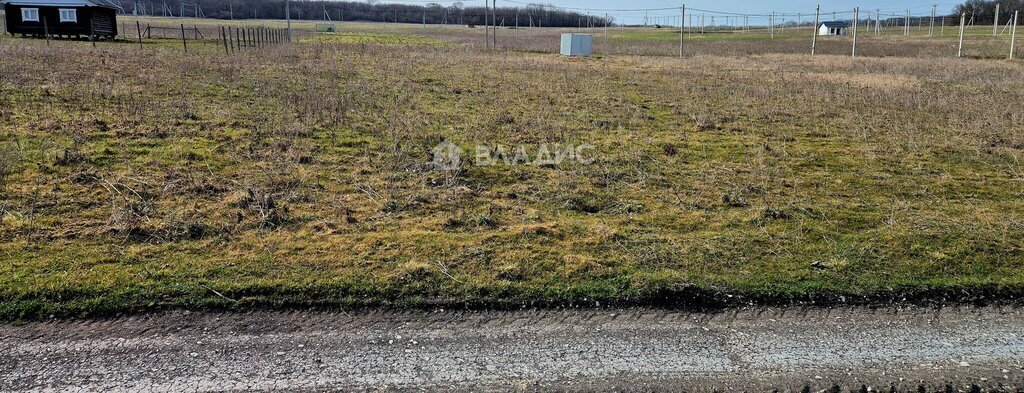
982 11
454 14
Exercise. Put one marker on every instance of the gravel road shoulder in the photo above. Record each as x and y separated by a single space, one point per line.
630 349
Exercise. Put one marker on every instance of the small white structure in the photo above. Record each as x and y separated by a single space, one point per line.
833 28
577 44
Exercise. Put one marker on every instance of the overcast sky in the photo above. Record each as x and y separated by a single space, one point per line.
612 7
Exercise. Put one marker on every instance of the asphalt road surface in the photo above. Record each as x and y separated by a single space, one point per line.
632 349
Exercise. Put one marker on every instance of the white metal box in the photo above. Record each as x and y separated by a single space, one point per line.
577 44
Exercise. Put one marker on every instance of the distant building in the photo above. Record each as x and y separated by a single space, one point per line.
833 28
61 18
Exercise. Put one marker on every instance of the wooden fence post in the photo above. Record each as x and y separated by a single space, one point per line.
184 41
138 28
224 38
46 29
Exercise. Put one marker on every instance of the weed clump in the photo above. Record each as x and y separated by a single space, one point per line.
586 202
9 158
269 212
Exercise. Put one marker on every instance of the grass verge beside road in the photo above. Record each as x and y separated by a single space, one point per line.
300 175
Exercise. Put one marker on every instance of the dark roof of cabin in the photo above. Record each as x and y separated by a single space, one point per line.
64 3
835 24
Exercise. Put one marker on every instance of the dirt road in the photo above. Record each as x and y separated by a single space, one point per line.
633 349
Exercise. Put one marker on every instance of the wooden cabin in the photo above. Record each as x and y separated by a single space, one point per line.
61 18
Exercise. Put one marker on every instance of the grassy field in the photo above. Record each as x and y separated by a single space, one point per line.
300 174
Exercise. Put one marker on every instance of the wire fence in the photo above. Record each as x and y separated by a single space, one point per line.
666 31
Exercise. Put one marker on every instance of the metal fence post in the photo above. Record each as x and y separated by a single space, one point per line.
184 40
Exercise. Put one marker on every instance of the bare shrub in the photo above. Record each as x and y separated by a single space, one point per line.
131 208
270 213
73 154
704 122
9 158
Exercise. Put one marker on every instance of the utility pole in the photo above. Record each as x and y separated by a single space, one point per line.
231 10
487 24
995 22
288 17
856 23
814 40
960 48
772 22
682 16
494 21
